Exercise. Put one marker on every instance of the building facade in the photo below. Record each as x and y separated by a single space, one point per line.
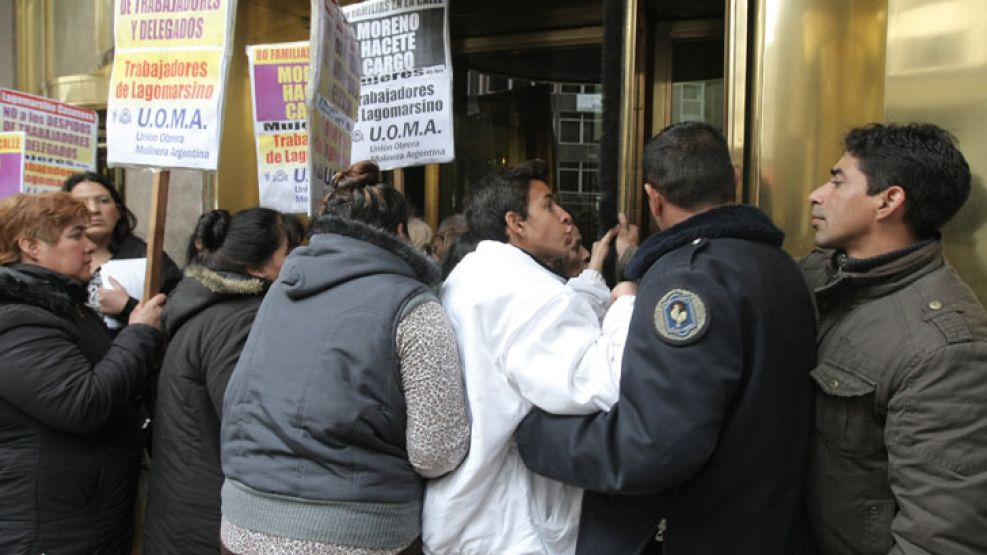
582 84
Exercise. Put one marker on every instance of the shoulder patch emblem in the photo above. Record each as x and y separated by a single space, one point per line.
680 317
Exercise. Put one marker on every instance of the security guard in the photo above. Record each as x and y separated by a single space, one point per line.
704 452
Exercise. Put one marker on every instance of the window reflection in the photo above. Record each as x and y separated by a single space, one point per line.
510 119
697 81
698 101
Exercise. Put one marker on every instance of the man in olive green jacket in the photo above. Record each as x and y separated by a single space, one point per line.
898 463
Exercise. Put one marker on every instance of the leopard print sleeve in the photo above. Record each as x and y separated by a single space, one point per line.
438 428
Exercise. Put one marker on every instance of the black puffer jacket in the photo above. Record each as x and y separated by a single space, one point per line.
207 320
69 432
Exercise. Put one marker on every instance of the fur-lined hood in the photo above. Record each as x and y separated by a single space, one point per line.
41 287
203 288
342 250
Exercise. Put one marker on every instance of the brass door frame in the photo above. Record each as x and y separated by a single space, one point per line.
735 46
665 34
511 42
540 40
632 92
29 16
733 30
662 44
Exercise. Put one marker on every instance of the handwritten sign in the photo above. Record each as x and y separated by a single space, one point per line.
279 77
334 96
405 116
60 139
11 163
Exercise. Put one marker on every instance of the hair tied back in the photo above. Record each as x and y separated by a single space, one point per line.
214 229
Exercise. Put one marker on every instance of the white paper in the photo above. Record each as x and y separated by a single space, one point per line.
129 273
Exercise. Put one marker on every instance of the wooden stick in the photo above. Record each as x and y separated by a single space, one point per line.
155 233
432 195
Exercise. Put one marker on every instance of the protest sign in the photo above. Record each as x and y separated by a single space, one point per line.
334 87
60 139
166 91
405 116
278 78
11 163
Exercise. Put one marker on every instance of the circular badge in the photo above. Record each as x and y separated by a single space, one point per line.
680 317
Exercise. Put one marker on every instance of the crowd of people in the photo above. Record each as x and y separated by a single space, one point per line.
369 387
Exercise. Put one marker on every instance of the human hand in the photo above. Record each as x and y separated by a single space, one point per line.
112 300
601 249
628 235
623 288
149 312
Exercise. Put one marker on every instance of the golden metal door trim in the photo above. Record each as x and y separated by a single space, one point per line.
48 36
631 112
27 15
696 29
665 32
579 36
752 177
735 86
432 195
661 83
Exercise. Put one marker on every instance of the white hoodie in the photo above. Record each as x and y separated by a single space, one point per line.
526 339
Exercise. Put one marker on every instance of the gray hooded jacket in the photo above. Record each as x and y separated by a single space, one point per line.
313 434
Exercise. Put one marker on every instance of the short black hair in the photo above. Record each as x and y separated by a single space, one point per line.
923 160
689 163
499 192
127 221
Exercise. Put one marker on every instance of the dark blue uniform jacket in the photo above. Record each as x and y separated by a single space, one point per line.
706 447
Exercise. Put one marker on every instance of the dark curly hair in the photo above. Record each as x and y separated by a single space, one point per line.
923 160
358 194
127 222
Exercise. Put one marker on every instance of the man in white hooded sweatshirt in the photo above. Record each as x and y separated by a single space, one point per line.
526 340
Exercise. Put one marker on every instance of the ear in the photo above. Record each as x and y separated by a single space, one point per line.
255 272
401 232
514 224
30 248
892 203
655 201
